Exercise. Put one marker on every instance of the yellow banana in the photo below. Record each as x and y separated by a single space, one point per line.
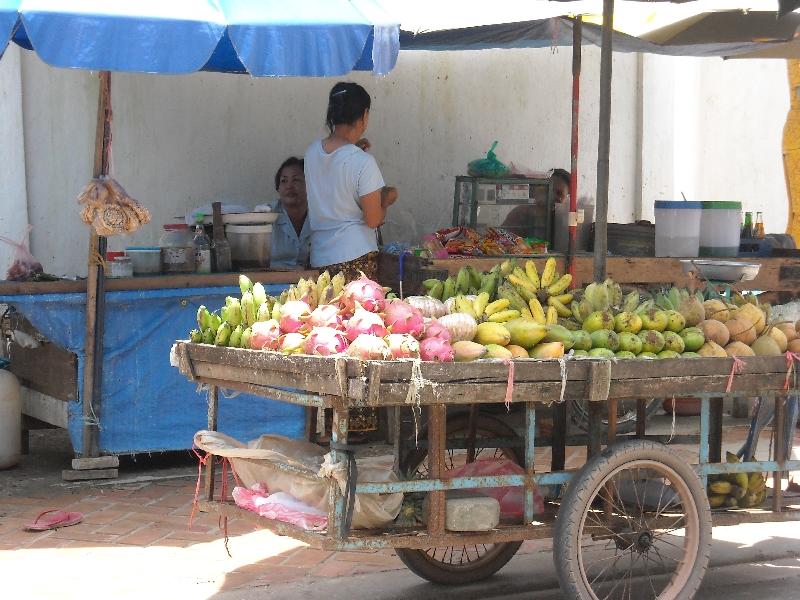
588 293
496 306
537 312
547 274
519 281
526 293
532 273
562 310
504 315
465 306
576 311
480 303
551 318
520 272
560 286
565 299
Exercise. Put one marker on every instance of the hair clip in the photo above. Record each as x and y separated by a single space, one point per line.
339 93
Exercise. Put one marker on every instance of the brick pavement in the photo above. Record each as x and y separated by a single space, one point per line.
134 541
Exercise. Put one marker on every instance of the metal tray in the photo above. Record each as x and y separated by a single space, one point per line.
721 270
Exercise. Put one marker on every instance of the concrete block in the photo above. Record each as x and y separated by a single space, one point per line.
68 475
101 462
467 511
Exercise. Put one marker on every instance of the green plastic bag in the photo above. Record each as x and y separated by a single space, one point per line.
488 167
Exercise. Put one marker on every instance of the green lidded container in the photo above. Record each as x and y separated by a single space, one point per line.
720 226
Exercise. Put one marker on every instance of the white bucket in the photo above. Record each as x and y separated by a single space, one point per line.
10 420
677 228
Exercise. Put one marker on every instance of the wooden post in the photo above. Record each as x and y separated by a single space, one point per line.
603 144
213 408
577 40
95 291
437 436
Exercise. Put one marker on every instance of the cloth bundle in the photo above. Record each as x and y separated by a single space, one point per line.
109 208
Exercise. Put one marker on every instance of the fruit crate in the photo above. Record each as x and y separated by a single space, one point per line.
523 206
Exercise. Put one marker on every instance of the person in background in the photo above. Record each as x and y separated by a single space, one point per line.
518 220
347 202
561 184
291 232
347 198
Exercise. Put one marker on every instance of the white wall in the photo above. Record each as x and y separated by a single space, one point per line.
13 204
183 141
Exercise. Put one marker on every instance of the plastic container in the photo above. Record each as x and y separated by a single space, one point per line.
250 245
720 226
121 267
678 227
146 260
177 249
10 420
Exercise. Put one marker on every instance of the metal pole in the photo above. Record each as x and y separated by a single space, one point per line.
603 144
577 34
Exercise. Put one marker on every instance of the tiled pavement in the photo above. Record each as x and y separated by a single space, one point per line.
134 541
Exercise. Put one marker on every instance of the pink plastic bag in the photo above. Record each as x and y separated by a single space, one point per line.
23 265
511 499
279 507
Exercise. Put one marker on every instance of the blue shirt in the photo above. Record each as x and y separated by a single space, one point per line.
288 251
335 183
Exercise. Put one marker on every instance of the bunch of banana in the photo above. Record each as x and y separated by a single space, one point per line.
507 291
315 293
730 490
603 295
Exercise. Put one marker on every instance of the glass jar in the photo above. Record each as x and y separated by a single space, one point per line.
177 249
121 266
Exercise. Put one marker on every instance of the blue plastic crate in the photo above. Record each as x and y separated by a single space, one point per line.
757 247
4 363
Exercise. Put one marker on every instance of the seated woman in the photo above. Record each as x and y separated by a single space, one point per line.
291 232
518 220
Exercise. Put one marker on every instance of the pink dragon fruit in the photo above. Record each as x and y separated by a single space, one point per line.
325 315
436 349
264 335
363 291
294 315
292 343
369 347
325 341
365 322
433 328
403 345
401 317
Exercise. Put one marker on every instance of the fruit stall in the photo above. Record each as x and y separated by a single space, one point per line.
524 339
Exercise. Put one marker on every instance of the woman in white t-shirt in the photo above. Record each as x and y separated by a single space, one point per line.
347 198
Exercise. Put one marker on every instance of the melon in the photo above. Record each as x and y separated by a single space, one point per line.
753 314
741 330
715 309
788 330
738 349
716 331
793 346
779 337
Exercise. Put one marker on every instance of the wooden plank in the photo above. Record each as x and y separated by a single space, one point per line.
44 408
154 282
101 462
48 369
69 475
745 385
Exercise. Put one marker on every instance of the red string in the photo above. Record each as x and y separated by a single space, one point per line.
738 366
203 460
510 385
790 358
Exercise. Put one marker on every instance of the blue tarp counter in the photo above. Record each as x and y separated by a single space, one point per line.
146 405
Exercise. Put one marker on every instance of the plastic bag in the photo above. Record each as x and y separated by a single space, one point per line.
488 167
371 510
511 499
279 507
23 265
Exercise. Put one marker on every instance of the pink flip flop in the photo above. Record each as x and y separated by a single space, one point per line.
53 520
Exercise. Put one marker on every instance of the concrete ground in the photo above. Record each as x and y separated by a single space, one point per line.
135 541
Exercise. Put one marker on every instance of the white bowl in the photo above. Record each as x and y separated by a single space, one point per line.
251 218
721 270
145 261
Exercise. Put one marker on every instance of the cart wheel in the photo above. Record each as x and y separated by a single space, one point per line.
626 414
633 523
471 562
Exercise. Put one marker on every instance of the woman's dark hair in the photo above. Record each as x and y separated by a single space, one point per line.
347 103
292 161
563 175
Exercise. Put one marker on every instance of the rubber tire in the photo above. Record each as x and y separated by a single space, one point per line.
582 488
581 417
417 561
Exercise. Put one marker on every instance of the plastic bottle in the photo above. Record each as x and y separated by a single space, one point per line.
202 247
747 230
10 420
758 230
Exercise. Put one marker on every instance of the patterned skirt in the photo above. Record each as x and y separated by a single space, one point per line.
361 419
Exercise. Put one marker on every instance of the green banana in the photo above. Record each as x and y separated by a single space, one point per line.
645 306
245 284
674 296
664 302
589 293
248 308
462 281
449 289
684 293
276 311
338 283
568 324
585 307
506 267
208 336
631 302
236 336
489 283
474 277
203 318
264 312
601 299
216 322
234 316
223 334
575 307
259 295
516 302
430 283
699 295
437 290
244 342
196 336
326 296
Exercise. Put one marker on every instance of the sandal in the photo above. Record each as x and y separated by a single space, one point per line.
53 520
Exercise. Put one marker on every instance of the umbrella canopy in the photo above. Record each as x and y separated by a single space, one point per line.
727 27
311 38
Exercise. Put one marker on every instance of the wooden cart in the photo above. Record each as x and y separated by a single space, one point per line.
634 520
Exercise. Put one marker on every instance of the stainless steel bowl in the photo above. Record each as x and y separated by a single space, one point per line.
721 270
